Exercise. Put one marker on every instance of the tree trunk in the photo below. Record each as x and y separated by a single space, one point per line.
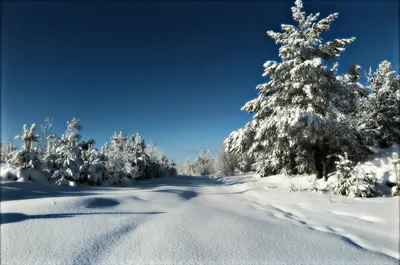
317 161
325 168
320 158
292 163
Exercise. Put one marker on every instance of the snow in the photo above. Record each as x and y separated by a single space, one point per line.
240 219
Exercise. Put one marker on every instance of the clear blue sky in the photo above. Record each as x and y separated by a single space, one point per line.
176 72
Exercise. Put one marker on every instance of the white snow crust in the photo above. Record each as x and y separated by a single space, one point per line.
240 219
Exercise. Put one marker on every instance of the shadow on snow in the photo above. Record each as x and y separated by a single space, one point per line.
184 194
179 181
7 218
33 190
30 190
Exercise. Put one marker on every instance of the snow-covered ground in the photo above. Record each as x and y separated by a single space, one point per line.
195 220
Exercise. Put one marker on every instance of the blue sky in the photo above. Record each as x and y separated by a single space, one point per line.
176 72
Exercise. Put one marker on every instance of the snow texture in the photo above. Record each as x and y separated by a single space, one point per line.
241 219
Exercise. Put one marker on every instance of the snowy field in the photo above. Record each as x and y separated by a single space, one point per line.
195 220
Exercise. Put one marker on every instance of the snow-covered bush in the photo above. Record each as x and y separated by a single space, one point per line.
225 163
62 177
8 173
352 182
92 172
293 187
204 165
26 159
395 160
313 184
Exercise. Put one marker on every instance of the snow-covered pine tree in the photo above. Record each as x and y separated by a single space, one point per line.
118 163
138 157
27 157
89 153
67 147
172 168
225 163
300 113
46 129
204 165
352 182
53 157
187 168
8 150
245 163
351 81
156 166
157 163
378 112
395 160
93 170
153 152
68 153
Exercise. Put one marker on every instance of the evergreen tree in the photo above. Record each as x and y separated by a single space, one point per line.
378 111
300 113
27 157
8 150
187 168
46 129
118 162
352 181
225 163
204 165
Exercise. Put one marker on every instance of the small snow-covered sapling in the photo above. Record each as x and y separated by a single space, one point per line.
396 164
28 137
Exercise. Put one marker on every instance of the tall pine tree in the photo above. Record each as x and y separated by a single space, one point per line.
300 113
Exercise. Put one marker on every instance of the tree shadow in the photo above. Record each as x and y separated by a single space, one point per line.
179 181
101 202
184 194
7 218
30 190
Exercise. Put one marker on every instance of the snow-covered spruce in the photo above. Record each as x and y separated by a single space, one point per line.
8 150
378 111
69 161
187 169
395 160
46 129
225 163
64 157
301 113
352 182
132 159
204 165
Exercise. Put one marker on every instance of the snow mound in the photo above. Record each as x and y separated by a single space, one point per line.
22 174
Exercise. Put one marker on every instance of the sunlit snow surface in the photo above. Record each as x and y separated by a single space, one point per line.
195 220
